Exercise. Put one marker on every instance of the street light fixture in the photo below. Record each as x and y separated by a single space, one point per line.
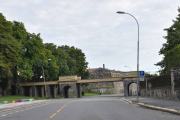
122 12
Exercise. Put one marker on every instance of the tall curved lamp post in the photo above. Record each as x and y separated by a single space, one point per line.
44 79
121 12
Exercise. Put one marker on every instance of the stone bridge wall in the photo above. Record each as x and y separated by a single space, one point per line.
118 88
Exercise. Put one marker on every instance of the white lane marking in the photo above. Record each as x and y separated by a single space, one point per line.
24 109
61 109
52 116
4 115
126 101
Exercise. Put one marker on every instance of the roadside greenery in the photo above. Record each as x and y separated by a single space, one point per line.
24 57
90 94
171 49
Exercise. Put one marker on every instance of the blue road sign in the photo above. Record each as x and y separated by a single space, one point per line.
141 73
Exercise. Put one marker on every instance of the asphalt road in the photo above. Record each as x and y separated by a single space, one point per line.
92 108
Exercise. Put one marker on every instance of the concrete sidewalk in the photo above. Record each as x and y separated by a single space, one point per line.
157 104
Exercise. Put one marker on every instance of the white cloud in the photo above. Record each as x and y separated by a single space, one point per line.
93 26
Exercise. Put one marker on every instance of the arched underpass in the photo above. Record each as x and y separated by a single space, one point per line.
132 89
66 91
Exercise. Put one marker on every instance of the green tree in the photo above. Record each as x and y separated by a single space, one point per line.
24 65
8 53
70 60
24 57
170 49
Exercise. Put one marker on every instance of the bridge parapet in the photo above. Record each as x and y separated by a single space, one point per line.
131 74
39 83
68 78
100 80
76 79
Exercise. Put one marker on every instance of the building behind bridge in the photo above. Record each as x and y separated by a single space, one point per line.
111 87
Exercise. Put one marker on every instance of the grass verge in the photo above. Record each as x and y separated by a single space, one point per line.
91 94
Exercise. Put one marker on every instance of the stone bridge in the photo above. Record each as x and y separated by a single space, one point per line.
68 86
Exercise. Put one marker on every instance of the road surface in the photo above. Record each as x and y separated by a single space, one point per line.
92 108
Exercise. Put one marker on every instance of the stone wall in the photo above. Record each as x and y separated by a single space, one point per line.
118 88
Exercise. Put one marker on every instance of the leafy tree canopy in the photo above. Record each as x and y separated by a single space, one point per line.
24 56
171 49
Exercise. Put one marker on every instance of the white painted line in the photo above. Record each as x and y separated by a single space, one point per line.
126 101
53 115
60 109
4 115
11 111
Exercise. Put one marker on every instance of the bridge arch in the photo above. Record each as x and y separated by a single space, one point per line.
66 91
132 89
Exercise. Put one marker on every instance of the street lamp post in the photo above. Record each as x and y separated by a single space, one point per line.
121 12
44 79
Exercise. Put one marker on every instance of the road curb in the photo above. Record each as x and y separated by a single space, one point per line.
159 108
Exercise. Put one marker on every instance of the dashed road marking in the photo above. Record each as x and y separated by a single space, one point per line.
4 115
59 110
126 101
53 115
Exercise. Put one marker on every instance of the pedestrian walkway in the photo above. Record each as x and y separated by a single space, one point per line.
171 104
162 103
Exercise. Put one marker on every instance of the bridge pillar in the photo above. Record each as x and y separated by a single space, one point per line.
78 90
60 93
125 88
55 88
48 92
62 90
35 91
42 91
30 91
22 91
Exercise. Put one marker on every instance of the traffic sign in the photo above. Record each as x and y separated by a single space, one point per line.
141 79
141 73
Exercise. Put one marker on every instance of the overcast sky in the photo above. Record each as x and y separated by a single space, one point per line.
93 26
